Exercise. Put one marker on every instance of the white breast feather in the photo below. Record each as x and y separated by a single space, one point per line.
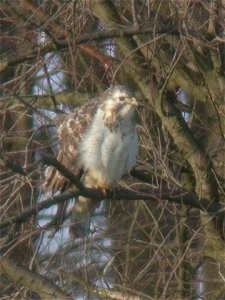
106 154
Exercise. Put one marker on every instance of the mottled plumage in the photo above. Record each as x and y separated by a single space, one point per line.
98 142
70 129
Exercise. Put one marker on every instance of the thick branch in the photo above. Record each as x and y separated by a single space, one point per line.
90 37
63 44
19 275
72 98
206 185
104 293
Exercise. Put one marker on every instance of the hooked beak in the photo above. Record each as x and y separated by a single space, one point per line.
131 101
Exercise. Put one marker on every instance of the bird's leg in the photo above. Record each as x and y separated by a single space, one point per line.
103 190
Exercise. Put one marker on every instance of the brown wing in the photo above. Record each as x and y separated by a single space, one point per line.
70 130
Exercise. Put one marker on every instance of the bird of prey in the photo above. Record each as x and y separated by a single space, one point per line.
99 144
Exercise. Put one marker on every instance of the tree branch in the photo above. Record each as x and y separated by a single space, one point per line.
180 197
72 98
54 45
206 185
190 200
104 293
31 280
6 163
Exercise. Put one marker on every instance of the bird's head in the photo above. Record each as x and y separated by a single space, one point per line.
120 93
119 105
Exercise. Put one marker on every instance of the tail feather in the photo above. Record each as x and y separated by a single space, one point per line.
83 207
54 180
83 210
81 217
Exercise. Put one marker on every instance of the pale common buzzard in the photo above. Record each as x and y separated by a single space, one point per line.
98 143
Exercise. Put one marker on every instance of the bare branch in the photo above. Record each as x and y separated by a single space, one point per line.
94 290
87 38
73 98
19 275
10 165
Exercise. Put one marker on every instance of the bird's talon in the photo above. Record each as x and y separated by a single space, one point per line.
104 192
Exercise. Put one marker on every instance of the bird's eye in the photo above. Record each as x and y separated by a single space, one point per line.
121 98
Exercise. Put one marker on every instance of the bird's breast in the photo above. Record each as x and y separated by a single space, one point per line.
108 155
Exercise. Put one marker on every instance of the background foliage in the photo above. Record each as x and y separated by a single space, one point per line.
162 235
